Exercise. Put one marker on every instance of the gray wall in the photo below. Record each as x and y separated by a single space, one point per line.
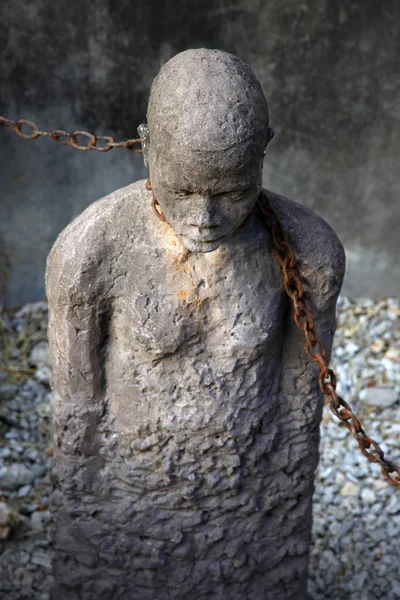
330 71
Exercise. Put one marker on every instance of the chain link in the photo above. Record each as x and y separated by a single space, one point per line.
101 143
315 349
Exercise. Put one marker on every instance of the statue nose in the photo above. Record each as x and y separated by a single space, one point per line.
203 215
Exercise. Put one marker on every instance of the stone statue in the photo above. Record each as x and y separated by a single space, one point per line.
186 412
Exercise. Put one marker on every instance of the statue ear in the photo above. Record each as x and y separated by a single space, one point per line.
144 135
270 135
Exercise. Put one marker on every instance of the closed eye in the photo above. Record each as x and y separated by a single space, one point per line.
235 194
179 193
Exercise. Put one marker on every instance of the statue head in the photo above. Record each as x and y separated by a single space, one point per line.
208 131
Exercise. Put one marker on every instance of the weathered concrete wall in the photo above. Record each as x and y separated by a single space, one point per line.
329 69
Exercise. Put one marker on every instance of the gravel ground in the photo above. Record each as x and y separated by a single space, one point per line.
356 542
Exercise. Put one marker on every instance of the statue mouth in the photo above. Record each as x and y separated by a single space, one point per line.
202 240
201 245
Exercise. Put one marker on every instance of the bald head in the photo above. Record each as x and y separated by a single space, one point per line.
208 129
207 100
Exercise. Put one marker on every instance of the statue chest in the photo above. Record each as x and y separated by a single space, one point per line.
197 342
225 303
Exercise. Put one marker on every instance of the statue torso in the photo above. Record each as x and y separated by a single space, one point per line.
192 344
206 416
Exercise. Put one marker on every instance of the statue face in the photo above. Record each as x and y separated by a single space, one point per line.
205 196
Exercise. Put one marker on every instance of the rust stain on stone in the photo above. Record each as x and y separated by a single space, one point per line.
183 294
179 264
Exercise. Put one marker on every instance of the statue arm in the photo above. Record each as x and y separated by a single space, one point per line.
78 325
322 271
321 287
321 264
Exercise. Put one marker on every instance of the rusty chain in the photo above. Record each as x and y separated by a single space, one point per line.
69 139
315 349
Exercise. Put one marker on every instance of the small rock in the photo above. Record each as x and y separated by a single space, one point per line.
40 518
360 579
394 429
380 484
378 535
368 373
378 345
24 491
12 435
351 348
392 369
32 455
43 374
40 355
394 505
379 396
393 354
339 479
351 476
349 489
15 475
41 559
16 446
9 519
339 352
8 391
368 496
23 557
43 409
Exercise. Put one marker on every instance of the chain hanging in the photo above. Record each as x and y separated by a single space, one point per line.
315 349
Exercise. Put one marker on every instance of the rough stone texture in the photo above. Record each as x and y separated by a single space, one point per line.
192 455
185 412
329 70
223 90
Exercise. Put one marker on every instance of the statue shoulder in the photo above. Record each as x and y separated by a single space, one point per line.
78 266
319 252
